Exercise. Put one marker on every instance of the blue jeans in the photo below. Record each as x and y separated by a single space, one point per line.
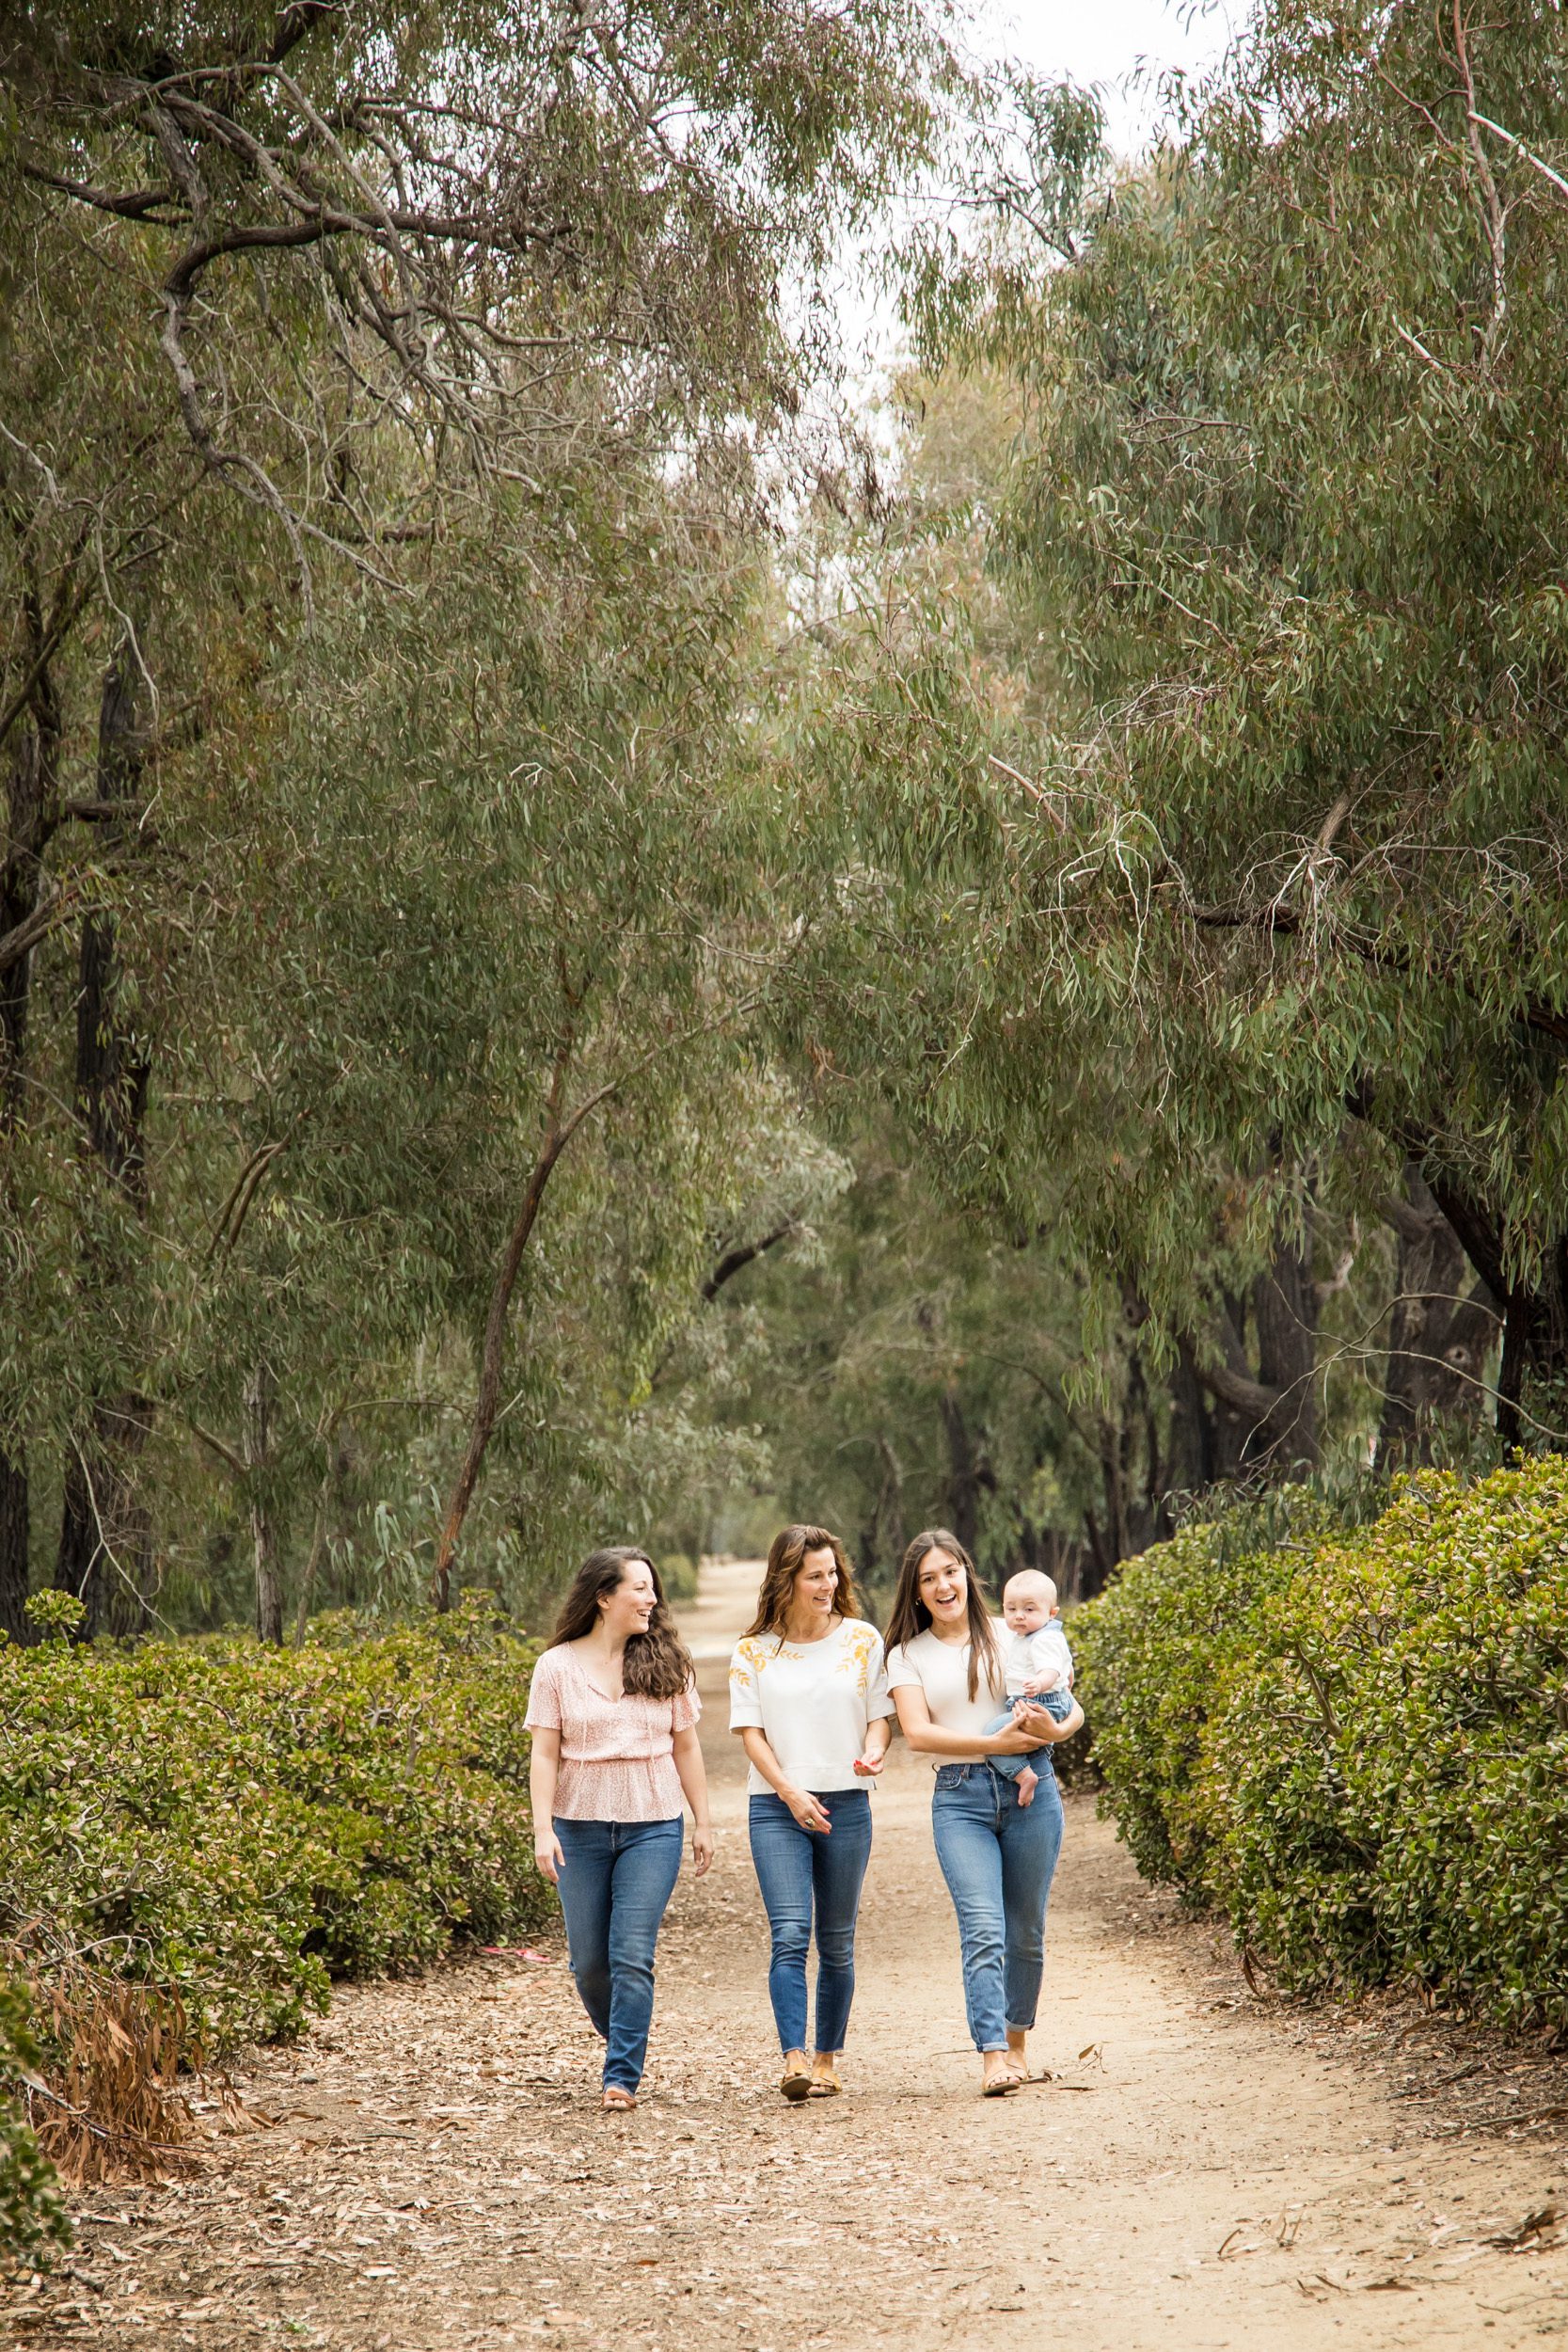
618 1878
998 1858
799 1869
1055 1703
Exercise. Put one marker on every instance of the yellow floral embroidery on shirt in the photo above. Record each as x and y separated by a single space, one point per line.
855 1656
757 1651
750 1656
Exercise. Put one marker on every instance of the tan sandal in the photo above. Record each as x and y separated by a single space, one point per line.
825 2086
616 2100
796 2086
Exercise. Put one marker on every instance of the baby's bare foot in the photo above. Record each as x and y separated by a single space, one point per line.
1026 1784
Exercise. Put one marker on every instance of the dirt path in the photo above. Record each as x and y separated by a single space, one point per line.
1203 2173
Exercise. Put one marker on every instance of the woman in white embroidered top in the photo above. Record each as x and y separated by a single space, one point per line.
998 1854
808 1696
612 1706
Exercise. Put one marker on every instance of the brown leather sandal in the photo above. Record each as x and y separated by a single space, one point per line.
796 2086
616 2100
825 2086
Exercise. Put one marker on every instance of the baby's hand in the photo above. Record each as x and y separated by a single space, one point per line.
1037 1684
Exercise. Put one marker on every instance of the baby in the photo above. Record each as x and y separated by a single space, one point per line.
1036 1663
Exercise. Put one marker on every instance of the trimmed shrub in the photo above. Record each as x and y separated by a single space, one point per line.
233 1826
1358 1744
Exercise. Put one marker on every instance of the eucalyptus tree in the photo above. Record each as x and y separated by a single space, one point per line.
296 296
1287 511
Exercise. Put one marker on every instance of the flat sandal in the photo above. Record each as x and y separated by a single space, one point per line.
795 2086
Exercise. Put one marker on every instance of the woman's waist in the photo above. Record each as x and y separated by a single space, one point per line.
631 1759
958 1775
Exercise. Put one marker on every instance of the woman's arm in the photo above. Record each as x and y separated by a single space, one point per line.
879 1739
759 1751
1042 1728
693 1780
543 1768
965 1747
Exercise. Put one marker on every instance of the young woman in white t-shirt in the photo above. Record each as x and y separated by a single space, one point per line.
808 1698
998 1856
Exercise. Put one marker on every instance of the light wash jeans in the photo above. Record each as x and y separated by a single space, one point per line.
618 1878
998 1858
799 1870
1057 1703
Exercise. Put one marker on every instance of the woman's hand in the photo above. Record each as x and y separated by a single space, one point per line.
702 1846
1042 1727
806 1810
549 1857
868 1766
1016 1740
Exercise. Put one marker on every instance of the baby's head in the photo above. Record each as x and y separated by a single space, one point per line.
1028 1601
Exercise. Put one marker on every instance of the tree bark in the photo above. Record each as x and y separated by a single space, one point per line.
1271 1409
102 1522
264 1528
105 1553
13 1547
559 1130
1535 1315
31 783
1440 1333
969 1475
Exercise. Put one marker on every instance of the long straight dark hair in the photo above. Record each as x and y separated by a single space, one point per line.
910 1615
656 1665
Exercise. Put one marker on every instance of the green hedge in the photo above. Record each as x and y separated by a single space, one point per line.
32 2218
236 1826
1357 1742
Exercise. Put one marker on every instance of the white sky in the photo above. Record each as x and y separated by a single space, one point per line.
1108 42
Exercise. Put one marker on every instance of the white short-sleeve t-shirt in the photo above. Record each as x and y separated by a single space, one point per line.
940 1669
813 1701
1026 1654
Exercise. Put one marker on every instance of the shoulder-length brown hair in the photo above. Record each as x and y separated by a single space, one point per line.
785 1557
910 1615
658 1664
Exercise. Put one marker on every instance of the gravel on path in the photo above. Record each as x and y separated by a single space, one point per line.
430 2170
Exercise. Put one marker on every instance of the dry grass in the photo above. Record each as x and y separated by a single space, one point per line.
107 2104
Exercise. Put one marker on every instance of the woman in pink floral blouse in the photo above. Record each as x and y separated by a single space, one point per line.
613 1712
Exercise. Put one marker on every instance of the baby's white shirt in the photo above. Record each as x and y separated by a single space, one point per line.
1027 1656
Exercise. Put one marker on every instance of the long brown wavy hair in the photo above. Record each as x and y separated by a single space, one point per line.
910 1615
656 1665
786 1555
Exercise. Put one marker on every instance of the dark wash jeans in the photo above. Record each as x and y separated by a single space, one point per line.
801 1871
618 1878
998 1858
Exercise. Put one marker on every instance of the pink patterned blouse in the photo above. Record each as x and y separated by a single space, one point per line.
616 1754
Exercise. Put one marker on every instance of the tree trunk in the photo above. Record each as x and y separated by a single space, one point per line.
560 1128
103 1525
1440 1332
968 1473
1535 1315
887 1531
1269 1420
1285 1312
257 1450
29 795
13 1547
105 1554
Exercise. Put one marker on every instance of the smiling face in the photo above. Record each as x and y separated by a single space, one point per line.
943 1590
815 1588
629 1608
